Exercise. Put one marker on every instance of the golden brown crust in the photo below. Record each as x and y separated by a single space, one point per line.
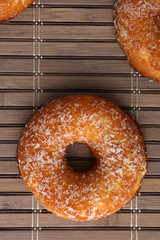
138 32
113 138
11 8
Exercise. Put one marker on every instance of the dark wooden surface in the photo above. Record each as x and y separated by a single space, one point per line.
54 49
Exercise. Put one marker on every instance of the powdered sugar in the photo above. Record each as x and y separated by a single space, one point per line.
109 133
138 28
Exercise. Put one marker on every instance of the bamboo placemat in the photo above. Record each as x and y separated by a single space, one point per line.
57 48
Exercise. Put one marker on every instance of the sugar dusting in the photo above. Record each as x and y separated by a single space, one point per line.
138 27
108 132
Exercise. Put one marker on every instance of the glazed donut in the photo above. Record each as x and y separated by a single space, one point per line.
138 30
11 8
112 137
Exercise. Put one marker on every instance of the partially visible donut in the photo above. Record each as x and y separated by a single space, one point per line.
138 28
113 138
11 8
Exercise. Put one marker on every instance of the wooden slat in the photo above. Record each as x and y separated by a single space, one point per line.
10 133
118 219
16 65
77 32
149 202
118 98
150 185
151 134
85 82
81 166
15 116
10 235
153 168
85 66
15 202
76 15
67 82
148 117
18 185
18 220
26 99
16 48
16 82
148 235
80 49
147 84
78 150
16 99
13 185
88 235
149 220
14 31
8 150
67 235
153 151
9 167
148 100
79 2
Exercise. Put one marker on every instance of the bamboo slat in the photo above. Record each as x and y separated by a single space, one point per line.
83 49
50 220
16 82
11 133
16 31
16 65
70 234
79 82
76 15
16 99
115 97
15 202
15 116
80 2
16 48
78 32
9 235
85 66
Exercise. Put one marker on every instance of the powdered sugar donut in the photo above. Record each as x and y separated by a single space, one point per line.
138 28
11 8
112 137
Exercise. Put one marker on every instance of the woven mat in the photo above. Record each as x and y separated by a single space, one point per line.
57 48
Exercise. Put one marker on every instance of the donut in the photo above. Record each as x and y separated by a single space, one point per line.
112 137
137 23
11 8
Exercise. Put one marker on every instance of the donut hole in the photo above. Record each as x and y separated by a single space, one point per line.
79 157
